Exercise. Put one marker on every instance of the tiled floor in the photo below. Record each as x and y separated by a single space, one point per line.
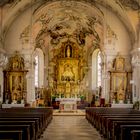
70 128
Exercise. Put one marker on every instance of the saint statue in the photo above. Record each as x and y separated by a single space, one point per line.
68 53
68 87
68 74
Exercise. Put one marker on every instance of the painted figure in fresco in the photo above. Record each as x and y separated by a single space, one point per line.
82 38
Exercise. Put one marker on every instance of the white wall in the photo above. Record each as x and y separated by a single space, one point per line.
12 40
123 43
13 43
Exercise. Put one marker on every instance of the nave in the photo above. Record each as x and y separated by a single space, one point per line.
70 128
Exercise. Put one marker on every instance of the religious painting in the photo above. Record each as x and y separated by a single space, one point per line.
119 63
68 70
119 81
16 86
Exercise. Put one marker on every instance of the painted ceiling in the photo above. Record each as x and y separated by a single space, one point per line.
78 20
72 21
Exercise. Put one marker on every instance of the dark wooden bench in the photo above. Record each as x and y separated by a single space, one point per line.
24 128
126 131
33 135
104 118
114 131
37 118
135 134
11 134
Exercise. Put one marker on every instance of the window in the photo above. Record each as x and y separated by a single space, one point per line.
99 69
39 68
36 71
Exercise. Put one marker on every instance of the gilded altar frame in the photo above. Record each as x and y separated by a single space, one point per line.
120 87
15 85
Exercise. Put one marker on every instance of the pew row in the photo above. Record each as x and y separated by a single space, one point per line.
114 123
31 121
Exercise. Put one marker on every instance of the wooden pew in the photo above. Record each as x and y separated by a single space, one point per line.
103 121
126 131
11 134
31 123
135 134
46 113
23 119
24 128
99 116
40 116
114 131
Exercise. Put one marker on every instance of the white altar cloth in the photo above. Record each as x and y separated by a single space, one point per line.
68 104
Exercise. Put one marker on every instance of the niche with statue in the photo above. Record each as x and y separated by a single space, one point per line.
15 86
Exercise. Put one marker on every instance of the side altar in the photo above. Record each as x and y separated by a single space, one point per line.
68 104
120 87
15 82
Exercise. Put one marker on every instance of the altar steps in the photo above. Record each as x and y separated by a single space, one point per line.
69 113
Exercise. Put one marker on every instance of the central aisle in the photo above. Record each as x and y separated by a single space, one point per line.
70 128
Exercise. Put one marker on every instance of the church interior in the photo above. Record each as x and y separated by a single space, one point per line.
66 56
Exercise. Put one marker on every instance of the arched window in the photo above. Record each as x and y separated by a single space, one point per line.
96 69
99 69
39 68
36 71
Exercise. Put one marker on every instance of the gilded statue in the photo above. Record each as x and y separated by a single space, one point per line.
68 51
68 74
68 87
119 62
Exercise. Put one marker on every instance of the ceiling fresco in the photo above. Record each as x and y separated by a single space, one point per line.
60 22
79 20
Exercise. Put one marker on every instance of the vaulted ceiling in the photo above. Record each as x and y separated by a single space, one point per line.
69 12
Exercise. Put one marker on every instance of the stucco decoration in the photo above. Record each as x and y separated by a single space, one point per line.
10 2
76 21
24 36
111 33
110 39
133 4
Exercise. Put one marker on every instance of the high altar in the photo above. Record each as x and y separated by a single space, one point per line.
68 69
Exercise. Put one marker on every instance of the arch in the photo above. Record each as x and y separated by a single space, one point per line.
95 67
39 67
